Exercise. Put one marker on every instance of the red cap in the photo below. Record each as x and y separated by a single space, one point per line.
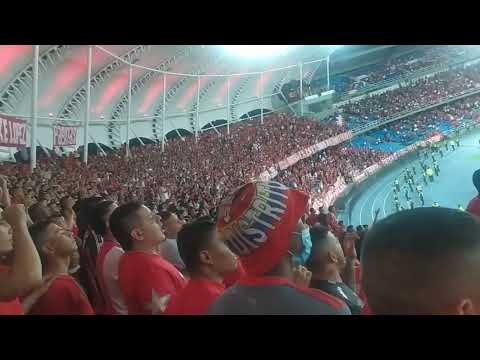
257 221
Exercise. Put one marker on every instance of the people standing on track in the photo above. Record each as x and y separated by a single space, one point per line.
457 141
410 184
423 165
425 177
397 185
418 187
414 170
405 176
452 144
407 196
446 145
422 200
433 157
436 167
441 152
397 205
430 174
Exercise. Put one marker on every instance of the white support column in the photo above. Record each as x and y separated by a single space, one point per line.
328 72
87 110
228 105
261 98
163 110
198 108
301 88
33 127
129 111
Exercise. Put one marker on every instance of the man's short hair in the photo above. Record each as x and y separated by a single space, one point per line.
99 221
165 215
122 221
38 212
415 261
38 233
192 239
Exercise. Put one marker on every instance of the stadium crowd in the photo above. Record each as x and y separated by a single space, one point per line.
417 94
190 232
391 68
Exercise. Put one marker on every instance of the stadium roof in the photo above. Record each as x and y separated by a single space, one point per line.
63 72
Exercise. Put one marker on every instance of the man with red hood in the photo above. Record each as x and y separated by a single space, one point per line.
260 222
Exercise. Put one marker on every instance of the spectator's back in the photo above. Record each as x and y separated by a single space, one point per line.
276 296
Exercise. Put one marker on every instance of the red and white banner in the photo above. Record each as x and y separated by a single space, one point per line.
13 132
64 135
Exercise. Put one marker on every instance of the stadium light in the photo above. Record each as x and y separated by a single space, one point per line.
251 51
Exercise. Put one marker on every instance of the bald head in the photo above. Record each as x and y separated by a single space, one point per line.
423 261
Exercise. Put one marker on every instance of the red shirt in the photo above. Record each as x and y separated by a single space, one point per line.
12 307
75 230
195 298
147 282
474 206
63 297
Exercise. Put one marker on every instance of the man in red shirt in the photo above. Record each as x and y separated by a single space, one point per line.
56 246
147 281
207 260
108 259
474 204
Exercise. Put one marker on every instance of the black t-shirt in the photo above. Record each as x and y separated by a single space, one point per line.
341 291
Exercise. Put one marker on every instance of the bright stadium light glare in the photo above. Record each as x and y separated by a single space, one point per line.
251 51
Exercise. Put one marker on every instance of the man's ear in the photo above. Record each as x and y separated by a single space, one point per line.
137 234
205 257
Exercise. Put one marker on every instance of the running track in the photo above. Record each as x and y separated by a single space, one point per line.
452 188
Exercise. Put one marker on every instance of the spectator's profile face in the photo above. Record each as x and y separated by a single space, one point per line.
6 238
18 195
60 241
150 226
220 255
336 251
173 225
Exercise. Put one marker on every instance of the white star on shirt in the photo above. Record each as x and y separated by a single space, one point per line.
159 303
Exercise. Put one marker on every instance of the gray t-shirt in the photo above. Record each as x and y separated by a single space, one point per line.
276 298
169 251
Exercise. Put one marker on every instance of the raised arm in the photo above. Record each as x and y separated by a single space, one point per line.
26 270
